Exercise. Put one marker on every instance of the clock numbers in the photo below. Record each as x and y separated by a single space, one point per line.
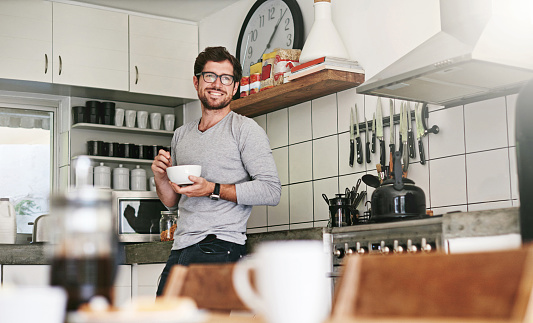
261 21
254 35
271 12
289 40
287 22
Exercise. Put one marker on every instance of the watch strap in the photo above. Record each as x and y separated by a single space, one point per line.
216 192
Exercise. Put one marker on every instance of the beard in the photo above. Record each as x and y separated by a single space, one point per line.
212 104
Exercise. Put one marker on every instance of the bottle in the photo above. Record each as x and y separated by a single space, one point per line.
168 224
84 245
8 223
323 39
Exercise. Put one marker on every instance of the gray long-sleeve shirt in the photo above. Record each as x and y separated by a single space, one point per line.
234 151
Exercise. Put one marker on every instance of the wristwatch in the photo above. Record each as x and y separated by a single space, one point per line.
216 192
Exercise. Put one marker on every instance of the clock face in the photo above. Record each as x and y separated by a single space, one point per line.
270 24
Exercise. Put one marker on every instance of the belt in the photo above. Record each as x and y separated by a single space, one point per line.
209 238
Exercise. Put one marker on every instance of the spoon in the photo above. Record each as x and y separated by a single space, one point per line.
371 180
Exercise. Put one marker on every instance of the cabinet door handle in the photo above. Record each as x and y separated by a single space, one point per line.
136 74
45 63
60 64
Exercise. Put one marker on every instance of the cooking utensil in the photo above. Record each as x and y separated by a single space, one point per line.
371 180
420 133
373 133
340 210
405 153
379 133
367 146
352 135
358 138
398 198
392 140
410 135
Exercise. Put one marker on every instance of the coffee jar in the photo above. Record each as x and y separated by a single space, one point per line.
102 176
168 224
84 245
138 179
121 178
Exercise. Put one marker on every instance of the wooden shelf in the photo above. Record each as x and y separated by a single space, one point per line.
306 88
102 127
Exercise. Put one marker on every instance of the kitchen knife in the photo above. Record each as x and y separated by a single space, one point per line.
352 135
374 133
367 147
358 139
420 132
405 152
392 140
410 135
379 133
400 139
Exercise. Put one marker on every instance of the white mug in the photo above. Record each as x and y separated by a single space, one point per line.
119 117
291 281
155 120
169 122
142 119
131 115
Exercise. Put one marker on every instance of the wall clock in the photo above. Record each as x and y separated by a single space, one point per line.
268 25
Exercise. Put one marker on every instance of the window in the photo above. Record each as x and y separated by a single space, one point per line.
27 159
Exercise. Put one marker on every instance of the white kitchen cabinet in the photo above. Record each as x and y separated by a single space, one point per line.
26 275
26 40
90 47
145 279
162 55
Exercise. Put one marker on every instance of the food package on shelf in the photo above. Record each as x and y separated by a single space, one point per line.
267 72
285 60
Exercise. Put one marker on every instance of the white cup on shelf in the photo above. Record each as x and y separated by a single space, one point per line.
142 119
155 120
131 115
119 117
169 122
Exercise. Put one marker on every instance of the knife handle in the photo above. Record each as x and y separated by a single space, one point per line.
421 150
359 150
391 161
367 152
382 152
373 142
351 152
400 147
411 143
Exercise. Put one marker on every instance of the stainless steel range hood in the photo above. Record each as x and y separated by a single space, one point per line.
484 49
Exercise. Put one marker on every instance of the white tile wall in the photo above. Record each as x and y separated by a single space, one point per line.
471 162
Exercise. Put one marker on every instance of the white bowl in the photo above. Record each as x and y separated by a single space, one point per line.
180 174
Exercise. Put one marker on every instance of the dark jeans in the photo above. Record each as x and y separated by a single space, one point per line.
209 250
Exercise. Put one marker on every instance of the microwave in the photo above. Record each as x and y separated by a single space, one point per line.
137 215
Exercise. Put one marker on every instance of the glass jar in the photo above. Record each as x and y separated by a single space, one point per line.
168 224
84 245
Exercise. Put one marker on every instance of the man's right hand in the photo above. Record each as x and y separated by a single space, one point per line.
161 162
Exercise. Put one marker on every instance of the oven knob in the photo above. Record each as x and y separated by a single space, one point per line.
396 247
360 250
426 247
411 248
384 249
339 253
351 251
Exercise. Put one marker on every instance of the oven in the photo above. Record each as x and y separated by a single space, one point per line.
390 238
137 215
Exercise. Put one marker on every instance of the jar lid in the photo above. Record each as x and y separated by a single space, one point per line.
169 212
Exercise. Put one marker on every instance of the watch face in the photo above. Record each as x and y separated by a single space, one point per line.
269 25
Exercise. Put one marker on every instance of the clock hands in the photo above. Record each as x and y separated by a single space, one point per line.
272 36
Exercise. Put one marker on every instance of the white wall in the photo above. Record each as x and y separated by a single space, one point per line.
471 162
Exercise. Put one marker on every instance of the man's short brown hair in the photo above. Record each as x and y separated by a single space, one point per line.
217 54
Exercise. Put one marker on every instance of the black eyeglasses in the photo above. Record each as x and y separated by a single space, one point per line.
210 77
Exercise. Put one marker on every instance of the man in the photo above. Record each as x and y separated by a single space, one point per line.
238 170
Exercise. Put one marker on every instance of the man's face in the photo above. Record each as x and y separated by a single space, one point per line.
215 95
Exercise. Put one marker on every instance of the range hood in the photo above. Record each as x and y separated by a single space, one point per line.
484 49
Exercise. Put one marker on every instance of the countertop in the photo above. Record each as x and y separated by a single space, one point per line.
454 225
